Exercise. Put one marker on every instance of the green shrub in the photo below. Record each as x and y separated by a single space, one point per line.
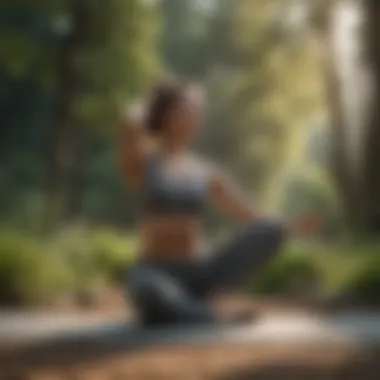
28 273
96 257
73 246
289 274
113 254
364 285
82 261
75 261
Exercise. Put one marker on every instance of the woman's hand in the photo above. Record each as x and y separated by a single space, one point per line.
132 146
229 198
307 224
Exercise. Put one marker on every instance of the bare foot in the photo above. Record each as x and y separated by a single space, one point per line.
240 317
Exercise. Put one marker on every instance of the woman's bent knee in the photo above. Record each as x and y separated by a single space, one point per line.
155 290
142 290
269 230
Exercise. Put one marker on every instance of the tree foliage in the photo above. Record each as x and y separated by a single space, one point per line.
267 86
68 66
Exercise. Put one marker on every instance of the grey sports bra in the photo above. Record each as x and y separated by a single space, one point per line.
164 194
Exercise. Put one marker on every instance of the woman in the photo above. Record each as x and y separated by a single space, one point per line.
173 280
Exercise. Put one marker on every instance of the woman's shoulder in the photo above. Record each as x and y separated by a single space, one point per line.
206 164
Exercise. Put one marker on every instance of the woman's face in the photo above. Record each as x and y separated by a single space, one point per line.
184 119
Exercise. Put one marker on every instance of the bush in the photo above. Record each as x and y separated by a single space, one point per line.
97 258
365 283
73 247
289 274
76 261
28 273
113 253
81 261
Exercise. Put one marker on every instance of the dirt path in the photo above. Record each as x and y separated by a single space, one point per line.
226 362
286 346
343 328
289 342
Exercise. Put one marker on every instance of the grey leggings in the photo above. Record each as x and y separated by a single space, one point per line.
176 292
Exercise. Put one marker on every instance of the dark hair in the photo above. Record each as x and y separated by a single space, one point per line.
163 97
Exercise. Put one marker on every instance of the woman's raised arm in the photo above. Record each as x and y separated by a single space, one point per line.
228 197
133 146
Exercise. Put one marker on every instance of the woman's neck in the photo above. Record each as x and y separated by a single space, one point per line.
172 149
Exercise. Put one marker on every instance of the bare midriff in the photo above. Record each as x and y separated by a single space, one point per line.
171 238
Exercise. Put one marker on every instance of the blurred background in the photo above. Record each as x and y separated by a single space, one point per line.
293 112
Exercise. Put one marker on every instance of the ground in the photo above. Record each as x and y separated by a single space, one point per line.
230 362
83 360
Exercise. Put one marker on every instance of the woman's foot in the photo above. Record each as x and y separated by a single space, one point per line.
234 310
240 317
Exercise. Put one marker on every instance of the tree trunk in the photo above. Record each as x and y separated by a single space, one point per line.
347 184
372 139
76 180
62 144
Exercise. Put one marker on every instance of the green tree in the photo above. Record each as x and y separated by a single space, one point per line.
90 58
108 56
348 187
372 136
267 91
185 37
358 186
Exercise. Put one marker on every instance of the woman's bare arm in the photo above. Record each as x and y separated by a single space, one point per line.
132 147
230 199
226 195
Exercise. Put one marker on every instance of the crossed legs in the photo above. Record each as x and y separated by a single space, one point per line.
177 295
